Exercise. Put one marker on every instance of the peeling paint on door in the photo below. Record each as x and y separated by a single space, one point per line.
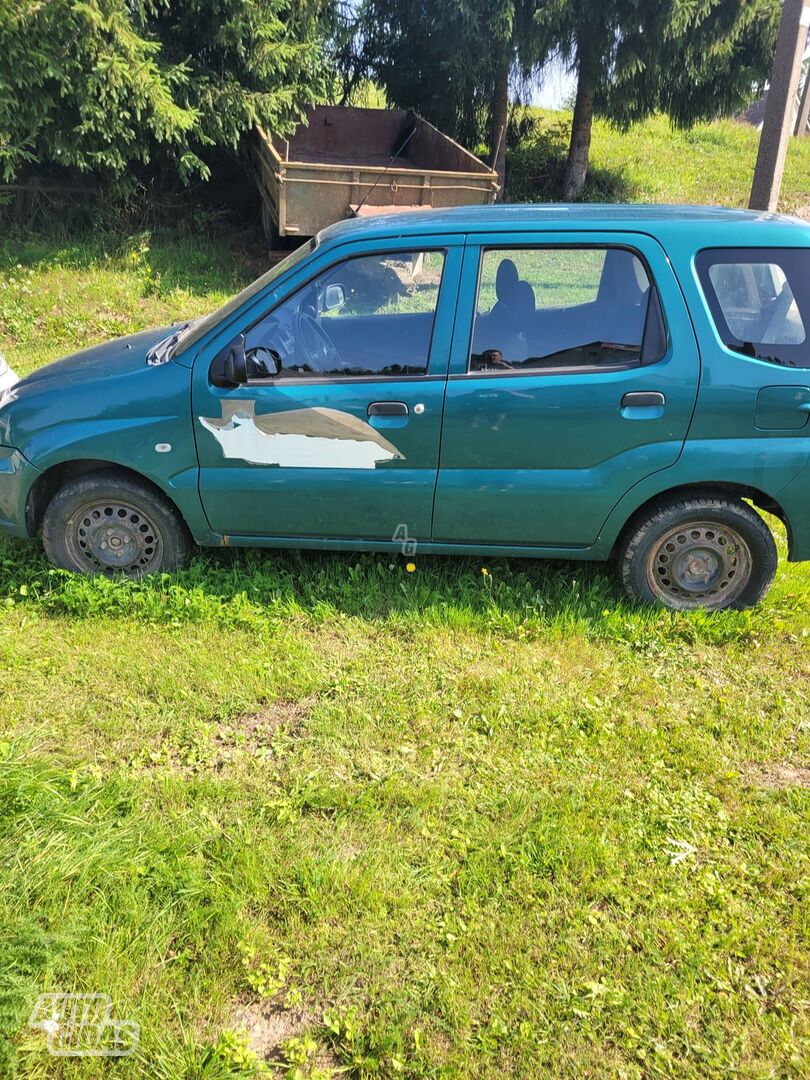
313 438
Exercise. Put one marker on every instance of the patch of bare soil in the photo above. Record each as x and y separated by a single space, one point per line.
776 777
256 728
804 212
269 1025
251 736
228 742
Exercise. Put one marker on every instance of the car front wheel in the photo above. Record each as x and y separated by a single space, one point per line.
109 523
711 552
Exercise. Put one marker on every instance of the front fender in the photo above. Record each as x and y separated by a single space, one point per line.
17 476
138 419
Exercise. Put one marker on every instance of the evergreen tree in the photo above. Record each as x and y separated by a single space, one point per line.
451 61
106 85
249 61
691 59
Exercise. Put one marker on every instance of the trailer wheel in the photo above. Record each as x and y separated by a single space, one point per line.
269 227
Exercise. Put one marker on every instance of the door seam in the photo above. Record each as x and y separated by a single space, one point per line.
444 391
699 352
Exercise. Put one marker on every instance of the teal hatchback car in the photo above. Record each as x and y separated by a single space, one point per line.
547 381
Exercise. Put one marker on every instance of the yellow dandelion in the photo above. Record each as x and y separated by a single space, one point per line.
484 571
410 567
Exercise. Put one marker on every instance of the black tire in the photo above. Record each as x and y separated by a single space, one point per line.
109 523
711 551
269 227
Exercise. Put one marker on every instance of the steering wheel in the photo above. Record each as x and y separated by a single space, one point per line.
319 349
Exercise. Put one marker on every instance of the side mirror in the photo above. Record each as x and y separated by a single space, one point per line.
262 363
334 297
229 367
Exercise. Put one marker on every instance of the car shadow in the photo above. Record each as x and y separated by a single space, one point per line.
278 584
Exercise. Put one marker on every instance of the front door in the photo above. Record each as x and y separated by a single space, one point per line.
336 433
575 379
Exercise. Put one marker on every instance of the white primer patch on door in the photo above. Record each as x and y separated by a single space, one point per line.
299 438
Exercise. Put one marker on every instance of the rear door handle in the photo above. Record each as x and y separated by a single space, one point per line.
388 408
642 399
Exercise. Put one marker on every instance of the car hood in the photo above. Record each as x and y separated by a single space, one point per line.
91 390
117 357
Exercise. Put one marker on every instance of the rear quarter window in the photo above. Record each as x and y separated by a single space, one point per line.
759 299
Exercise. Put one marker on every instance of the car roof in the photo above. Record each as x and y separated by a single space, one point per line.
709 222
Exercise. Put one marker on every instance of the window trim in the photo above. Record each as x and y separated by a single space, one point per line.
566 369
326 380
730 254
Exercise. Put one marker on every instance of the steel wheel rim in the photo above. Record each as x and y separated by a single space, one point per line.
699 564
111 536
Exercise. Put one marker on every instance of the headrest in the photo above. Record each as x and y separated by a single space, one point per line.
524 299
506 278
624 279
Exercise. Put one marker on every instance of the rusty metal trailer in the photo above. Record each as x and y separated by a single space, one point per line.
348 161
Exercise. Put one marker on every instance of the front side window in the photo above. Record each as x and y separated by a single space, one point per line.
760 301
367 316
546 308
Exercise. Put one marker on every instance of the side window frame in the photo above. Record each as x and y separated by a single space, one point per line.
706 258
655 309
421 244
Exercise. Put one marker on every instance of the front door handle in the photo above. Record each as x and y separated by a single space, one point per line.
388 408
643 399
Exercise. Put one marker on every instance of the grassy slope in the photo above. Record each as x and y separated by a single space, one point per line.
713 163
59 296
448 823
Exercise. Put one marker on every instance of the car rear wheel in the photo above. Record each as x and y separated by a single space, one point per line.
108 523
710 552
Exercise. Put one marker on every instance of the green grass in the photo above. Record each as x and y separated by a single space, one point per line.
431 824
711 164
490 825
56 297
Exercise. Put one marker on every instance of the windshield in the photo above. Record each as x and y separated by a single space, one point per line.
195 330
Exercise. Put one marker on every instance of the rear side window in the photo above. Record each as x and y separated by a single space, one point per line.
760 301
546 309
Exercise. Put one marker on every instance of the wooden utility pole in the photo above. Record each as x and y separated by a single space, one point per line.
777 125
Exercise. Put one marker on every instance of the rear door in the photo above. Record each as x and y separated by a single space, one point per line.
573 376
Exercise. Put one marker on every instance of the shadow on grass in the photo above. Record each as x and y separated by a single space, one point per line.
263 590
216 261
